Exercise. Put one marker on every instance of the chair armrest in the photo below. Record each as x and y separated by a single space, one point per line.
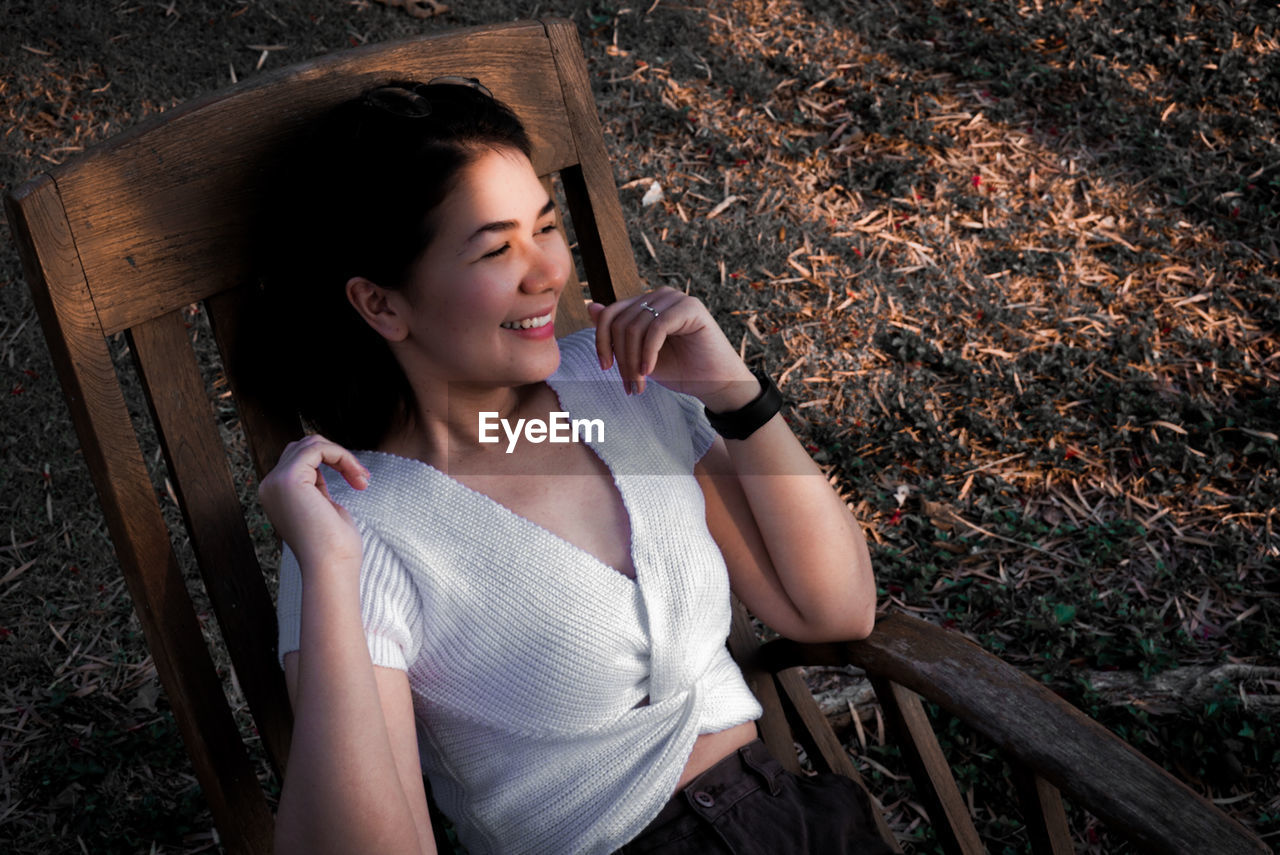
1089 764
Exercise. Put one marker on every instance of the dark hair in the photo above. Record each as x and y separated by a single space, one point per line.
355 198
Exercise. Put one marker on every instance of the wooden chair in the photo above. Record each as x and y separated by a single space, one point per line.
127 236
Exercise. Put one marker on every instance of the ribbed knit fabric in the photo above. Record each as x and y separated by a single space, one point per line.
526 655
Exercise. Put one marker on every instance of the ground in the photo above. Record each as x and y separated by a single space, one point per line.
1014 266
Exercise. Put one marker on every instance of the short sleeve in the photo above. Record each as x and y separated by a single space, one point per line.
390 607
701 433
289 604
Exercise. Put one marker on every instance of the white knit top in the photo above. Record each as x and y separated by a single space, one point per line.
527 656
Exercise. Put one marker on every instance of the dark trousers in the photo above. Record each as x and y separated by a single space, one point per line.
747 804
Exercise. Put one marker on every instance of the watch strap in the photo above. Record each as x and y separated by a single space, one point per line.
746 420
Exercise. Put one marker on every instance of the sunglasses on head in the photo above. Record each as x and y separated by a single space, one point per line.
409 102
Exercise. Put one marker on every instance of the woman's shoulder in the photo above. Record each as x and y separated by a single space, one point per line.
393 481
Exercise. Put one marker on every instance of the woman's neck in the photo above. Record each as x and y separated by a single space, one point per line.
445 428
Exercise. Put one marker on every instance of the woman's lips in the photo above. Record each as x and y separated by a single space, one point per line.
538 326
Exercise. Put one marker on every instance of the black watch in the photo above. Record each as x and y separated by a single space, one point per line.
744 421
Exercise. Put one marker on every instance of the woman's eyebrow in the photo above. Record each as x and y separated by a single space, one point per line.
504 225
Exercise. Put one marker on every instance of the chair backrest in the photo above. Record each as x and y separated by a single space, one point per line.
124 238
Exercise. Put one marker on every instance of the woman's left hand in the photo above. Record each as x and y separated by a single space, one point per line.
670 337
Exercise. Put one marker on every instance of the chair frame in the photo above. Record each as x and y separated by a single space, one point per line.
126 236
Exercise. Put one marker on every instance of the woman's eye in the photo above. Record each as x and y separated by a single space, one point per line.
497 252
549 227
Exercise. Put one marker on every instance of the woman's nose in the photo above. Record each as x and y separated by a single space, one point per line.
548 269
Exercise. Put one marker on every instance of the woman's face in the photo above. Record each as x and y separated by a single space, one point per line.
480 302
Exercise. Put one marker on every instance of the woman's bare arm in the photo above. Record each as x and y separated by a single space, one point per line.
796 555
352 783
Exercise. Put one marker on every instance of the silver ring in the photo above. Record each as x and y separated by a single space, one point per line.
650 309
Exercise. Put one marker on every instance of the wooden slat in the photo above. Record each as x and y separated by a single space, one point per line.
589 188
825 750
935 786
1043 813
594 264
813 731
571 312
774 731
201 478
1091 766
775 725
158 214
111 451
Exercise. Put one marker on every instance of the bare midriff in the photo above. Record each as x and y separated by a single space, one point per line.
711 748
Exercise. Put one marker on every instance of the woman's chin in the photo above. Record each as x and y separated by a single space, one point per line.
537 366
552 363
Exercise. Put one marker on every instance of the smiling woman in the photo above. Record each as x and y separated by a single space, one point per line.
465 311
543 633
352 211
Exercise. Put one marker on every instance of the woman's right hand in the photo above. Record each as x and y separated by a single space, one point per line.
297 501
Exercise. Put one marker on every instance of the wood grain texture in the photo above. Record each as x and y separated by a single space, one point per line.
935 785
201 477
571 312
159 213
813 731
132 513
1090 765
589 187
1043 813
773 727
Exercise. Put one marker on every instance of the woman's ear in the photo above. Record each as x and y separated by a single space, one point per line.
378 308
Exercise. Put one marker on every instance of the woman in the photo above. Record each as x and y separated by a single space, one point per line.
541 632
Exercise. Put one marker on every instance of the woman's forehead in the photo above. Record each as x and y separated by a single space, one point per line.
498 185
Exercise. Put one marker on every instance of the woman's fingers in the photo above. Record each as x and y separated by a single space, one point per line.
622 325
299 466
631 324
308 453
632 331
669 314
297 500
601 315
652 321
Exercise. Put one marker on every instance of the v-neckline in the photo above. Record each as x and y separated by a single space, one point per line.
521 519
